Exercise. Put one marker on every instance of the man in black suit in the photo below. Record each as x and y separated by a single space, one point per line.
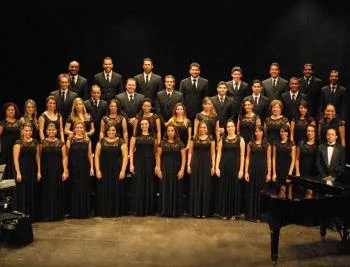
166 99
330 159
311 87
194 89
223 105
64 96
274 86
334 94
237 89
97 109
148 83
261 102
109 81
78 83
291 99
130 103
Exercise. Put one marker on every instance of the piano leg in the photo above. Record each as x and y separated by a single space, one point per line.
275 237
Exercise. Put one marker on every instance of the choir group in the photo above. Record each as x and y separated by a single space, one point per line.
148 149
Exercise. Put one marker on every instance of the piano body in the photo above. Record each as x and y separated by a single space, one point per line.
330 203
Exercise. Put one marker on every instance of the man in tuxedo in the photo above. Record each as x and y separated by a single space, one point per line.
334 94
64 96
130 103
97 109
274 86
330 157
166 99
109 81
194 89
148 83
237 89
78 83
311 87
291 99
261 102
223 105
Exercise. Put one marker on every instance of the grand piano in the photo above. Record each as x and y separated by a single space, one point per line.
330 205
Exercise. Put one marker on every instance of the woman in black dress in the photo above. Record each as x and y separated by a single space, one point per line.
230 169
111 159
79 113
201 167
247 121
10 129
330 120
146 112
54 171
170 168
114 117
80 166
305 160
31 115
299 124
257 172
283 162
26 159
51 116
142 165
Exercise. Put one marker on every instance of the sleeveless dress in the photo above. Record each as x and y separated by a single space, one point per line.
117 122
47 121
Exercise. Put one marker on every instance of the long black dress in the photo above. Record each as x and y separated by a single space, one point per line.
283 160
111 193
273 127
144 161
257 172
300 128
247 127
10 134
201 195
79 176
307 159
230 185
171 194
26 196
51 184
183 131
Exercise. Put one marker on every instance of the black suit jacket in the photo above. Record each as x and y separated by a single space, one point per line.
193 98
290 108
151 89
243 91
270 92
262 109
312 92
98 112
164 105
64 108
225 110
128 108
337 165
80 87
109 89
338 99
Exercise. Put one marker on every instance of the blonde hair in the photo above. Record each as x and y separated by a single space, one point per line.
26 116
172 120
74 114
206 100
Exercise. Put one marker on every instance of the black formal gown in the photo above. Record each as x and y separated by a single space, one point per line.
325 125
144 163
257 173
201 193
308 154
211 122
10 134
247 127
171 193
183 131
283 160
273 127
300 128
230 185
51 184
111 192
48 121
79 176
117 122
27 195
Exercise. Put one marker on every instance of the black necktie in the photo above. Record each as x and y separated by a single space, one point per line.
63 94
194 84
131 98
333 89
274 83
236 86
72 80
293 97
222 100
330 145
95 103
169 95
256 100
147 79
107 77
307 81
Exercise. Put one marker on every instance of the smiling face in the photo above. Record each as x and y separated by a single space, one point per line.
330 112
10 112
51 131
111 132
51 105
230 127
202 129
27 132
79 129
146 107
144 124
310 133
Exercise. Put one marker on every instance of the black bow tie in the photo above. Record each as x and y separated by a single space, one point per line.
330 145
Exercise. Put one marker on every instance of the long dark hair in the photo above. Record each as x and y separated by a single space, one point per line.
139 130
176 137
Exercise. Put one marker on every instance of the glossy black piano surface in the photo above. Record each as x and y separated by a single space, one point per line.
330 204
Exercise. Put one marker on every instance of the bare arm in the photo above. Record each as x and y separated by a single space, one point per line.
65 174
189 156
61 129
131 154
134 126
92 129
38 162
268 176
159 133
195 127
212 153
241 162
158 169
67 130
189 129
91 160
218 159
292 163
102 129
181 172
297 161
124 149
125 132
274 176
41 122
292 130
247 162
16 153
342 135
97 160
217 132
